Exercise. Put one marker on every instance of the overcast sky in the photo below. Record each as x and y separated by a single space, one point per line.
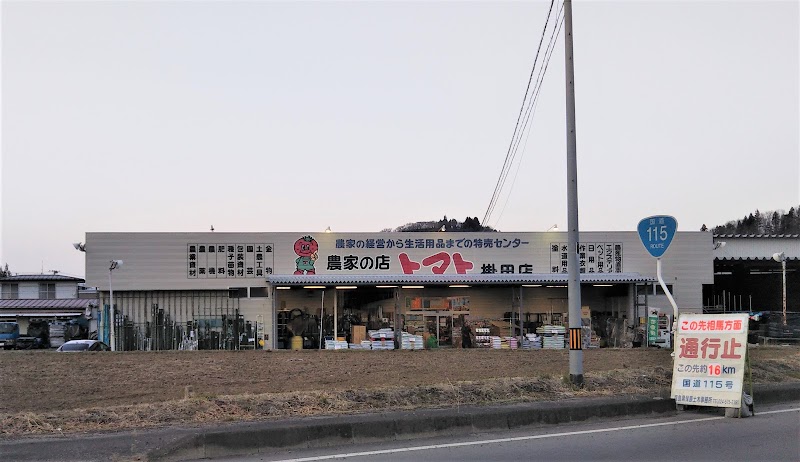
296 116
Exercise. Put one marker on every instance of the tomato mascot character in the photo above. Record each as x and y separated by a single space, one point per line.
306 247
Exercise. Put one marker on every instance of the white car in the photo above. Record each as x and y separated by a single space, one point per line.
84 345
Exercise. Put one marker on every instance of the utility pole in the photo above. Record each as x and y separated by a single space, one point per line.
574 288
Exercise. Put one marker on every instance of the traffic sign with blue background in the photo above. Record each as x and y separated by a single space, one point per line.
656 233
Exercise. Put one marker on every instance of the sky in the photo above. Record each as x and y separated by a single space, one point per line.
264 116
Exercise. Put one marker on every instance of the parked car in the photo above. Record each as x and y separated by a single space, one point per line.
9 334
84 345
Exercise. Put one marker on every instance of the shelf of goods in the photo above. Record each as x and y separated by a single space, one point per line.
496 342
482 338
589 338
552 337
510 343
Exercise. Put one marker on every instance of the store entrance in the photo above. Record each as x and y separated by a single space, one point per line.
440 325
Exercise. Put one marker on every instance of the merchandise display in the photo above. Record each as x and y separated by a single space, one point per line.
412 342
553 337
382 339
531 342
335 345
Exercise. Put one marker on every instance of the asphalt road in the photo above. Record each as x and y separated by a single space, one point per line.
696 435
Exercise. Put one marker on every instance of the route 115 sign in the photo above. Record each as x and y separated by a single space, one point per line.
656 233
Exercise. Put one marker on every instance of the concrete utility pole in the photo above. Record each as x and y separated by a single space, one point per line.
575 346
398 332
781 257
113 264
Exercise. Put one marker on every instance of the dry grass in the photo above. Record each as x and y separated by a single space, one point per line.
769 365
203 410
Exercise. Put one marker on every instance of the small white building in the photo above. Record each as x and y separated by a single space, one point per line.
225 290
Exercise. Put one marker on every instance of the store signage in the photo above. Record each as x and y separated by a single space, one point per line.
593 257
656 233
652 327
216 261
710 353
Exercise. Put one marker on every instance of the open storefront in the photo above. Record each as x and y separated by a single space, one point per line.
297 290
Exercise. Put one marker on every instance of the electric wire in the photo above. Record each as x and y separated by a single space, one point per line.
506 163
532 107
528 112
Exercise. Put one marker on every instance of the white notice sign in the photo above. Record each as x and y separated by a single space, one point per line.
710 352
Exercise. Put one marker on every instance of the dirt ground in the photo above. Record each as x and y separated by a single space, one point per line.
40 391
48 381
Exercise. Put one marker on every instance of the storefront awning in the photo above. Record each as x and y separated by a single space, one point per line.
448 279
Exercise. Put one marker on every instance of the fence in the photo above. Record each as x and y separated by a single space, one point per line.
185 320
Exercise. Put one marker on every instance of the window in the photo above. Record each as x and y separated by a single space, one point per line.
47 291
653 289
237 292
660 291
258 292
10 291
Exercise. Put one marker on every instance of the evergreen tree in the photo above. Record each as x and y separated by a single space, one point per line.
790 223
775 223
749 224
758 223
769 222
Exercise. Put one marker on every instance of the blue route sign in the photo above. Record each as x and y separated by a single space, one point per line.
656 233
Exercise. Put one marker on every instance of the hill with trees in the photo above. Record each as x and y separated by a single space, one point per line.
770 222
468 225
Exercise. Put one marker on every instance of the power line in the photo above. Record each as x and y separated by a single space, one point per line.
506 164
532 106
528 112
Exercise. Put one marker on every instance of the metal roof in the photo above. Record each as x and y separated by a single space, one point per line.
64 303
755 247
40 277
756 236
39 314
445 279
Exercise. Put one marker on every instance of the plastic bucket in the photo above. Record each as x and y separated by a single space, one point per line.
297 342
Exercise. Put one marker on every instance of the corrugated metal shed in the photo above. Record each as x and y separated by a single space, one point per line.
755 246
478 279
40 277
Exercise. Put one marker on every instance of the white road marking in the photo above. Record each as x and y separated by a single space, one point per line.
778 411
506 440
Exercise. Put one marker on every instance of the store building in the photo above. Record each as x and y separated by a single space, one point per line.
239 290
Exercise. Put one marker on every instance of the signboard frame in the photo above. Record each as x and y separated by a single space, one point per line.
710 359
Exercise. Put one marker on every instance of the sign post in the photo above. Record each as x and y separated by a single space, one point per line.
656 233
